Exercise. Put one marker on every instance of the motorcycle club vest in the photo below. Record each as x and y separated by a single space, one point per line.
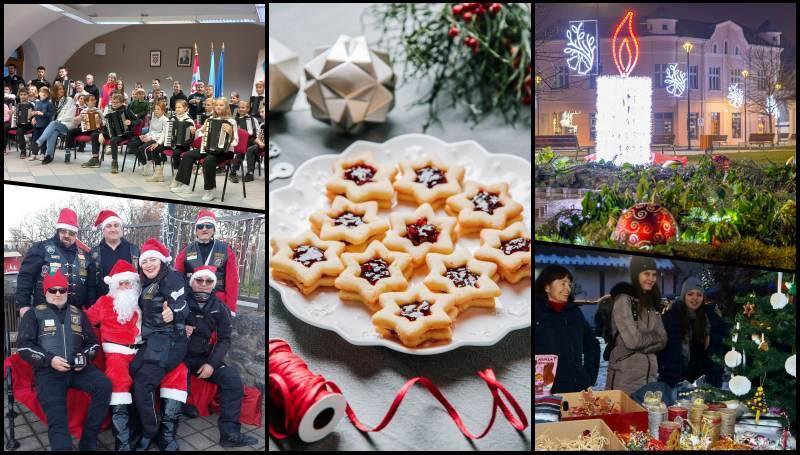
75 271
98 266
63 339
218 257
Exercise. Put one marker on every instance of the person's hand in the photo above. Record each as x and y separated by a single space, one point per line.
166 313
205 371
23 310
260 144
59 364
127 122
152 147
227 127
189 330
192 129
33 122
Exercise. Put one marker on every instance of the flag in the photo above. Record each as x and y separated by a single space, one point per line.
219 88
195 68
211 70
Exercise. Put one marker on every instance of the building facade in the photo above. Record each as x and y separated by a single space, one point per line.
566 102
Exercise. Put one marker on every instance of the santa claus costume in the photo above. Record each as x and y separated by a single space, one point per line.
120 321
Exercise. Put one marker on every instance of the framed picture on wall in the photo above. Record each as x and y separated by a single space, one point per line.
155 58
184 56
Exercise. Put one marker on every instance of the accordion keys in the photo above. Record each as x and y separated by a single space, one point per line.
13 117
89 121
216 140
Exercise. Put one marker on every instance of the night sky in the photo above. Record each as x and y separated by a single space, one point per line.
782 15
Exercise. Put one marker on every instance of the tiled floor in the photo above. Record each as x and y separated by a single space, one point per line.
72 175
193 434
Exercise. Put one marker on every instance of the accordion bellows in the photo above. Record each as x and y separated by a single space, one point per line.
178 132
216 140
115 122
90 121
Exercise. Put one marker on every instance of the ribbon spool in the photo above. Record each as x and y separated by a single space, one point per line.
313 405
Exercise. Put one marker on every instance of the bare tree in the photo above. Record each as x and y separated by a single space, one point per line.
773 81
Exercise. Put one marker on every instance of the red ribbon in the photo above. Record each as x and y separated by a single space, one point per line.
294 388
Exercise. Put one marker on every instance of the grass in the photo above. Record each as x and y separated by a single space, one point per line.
774 155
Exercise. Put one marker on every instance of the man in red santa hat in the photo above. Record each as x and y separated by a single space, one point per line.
112 247
206 250
120 321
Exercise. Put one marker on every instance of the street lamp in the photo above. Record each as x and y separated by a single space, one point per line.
538 84
745 73
688 47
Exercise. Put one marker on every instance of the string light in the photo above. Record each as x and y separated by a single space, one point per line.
633 57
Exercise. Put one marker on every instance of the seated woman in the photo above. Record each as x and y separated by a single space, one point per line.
562 330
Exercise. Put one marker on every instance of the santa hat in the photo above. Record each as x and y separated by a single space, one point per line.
56 280
67 219
206 216
105 217
122 270
208 271
152 248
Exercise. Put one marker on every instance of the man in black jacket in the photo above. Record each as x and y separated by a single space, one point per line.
105 254
58 341
562 330
207 359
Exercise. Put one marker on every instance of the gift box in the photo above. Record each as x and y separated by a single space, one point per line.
575 429
632 414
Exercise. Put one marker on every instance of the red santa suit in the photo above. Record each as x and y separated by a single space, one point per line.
120 340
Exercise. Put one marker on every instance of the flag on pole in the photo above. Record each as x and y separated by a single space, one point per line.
219 87
195 68
211 70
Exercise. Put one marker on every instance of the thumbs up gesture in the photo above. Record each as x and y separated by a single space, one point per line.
166 313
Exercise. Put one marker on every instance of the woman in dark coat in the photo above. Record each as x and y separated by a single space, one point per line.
561 329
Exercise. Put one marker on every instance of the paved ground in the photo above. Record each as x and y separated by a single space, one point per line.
72 175
198 434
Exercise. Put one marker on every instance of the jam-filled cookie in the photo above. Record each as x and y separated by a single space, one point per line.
467 279
510 249
428 180
306 262
415 316
362 178
482 206
369 274
353 223
420 233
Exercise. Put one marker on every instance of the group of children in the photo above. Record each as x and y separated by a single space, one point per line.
59 112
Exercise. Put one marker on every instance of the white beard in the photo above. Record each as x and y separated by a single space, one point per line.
126 303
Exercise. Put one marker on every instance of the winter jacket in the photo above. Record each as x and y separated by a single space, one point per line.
633 362
569 336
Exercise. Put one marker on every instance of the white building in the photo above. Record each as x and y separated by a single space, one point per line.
720 52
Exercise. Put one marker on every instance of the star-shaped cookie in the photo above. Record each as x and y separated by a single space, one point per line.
428 180
510 249
464 277
415 316
349 222
420 233
369 274
306 261
482 206
362 178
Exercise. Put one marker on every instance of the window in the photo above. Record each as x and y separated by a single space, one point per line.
593 79
693 125
715 48
761 124
762 80
660 74
693 77
562 78
715 123
736 50
593 126
736 77
726 48
663 26
662 123
713 78
736 125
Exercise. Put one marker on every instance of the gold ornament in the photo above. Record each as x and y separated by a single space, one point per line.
749 309
764 346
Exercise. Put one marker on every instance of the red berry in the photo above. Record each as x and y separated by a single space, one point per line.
453 32
457 9
495 8
467 16
480 10
527 100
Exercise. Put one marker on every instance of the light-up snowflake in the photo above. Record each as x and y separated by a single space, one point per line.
735 95
676 80
581 48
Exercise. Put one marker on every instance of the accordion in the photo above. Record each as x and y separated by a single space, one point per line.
90 121
22 116
115 122
260 134
178 133
216 140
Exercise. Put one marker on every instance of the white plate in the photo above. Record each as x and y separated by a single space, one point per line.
290 207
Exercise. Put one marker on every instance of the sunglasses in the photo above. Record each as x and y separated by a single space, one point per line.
204 226
56 291
203 281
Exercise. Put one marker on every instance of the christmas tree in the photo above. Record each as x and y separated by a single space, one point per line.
763 335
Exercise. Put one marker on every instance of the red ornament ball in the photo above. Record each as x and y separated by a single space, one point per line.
645 225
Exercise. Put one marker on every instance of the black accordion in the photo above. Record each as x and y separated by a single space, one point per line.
22 116
216 140
178 133
115 122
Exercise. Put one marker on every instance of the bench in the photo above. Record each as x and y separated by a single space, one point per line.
721 138
761 139
786 138
663 140
569 142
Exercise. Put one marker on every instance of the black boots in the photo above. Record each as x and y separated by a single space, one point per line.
143 444
237 440
190 411
169 425
120 427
